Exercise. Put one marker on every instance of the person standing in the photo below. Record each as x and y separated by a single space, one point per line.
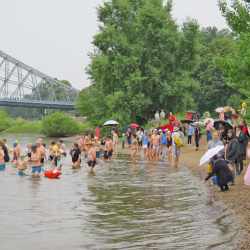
97 145
129 133
171 118
157 115
139 136
114 129
86 132
223 173
36 161
6 145
198 134
168 138
80 141
115 141
123 141
190 132
162 115
209 128
134 146
222 116
229 115
182 129
176 151
197 115
2 163
156 142
92 134
76 155
91 156
145 141
241 137
97 132
231 151
5 150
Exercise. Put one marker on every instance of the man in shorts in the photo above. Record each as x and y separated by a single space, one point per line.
36 161
115 140
156 142
80 142
176 152
91 156
62 146
106 149
41 149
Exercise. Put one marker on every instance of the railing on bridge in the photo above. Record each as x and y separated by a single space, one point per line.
37 103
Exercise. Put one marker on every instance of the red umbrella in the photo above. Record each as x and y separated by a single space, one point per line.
169 127
134 125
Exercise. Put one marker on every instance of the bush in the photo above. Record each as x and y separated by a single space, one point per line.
5 121
60 124
19 121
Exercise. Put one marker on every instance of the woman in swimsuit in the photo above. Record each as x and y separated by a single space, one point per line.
149 149
134 145
168 138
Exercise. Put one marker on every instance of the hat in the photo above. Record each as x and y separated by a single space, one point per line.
160 130
55 148
61 141
176 129
166 129
239 126
34 146
221 127
168 132
16 141
155 130
21 155
14 144
89 143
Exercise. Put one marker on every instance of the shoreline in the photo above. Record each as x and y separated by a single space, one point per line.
236 199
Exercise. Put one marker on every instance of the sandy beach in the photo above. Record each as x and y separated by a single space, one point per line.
237 198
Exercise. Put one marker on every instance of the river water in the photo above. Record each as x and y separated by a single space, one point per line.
120 206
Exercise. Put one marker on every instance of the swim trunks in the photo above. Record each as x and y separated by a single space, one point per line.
2 166
91 163
110 153
42 160
51 157
145 146
29 154
21 172
155 147
105 156
98 154
36 169
64 153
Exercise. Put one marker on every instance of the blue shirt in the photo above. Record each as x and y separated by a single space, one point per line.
190 130
145 138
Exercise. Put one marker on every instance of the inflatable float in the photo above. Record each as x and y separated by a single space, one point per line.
52 173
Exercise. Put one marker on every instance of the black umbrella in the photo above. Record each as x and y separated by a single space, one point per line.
191 112
125 129
226 125
156 121
187 120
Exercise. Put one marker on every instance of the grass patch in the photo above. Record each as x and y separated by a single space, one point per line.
26 128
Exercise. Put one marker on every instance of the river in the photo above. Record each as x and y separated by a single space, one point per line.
120 206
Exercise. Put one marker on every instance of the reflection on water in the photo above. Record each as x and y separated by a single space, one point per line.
121 206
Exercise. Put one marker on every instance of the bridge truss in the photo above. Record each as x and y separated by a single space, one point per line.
20 81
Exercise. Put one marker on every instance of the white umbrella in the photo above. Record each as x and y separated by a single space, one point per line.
210 153
199 123
110 123
219 110
211 121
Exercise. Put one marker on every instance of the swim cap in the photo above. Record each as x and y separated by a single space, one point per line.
14 144
96 137
16 141
55 148
22 155
11 150
61 141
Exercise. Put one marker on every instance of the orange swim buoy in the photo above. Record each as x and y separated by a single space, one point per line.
52 173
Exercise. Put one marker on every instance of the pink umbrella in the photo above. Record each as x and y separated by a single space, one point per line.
134 125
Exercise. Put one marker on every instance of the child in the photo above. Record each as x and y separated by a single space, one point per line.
57 158
51 152
123 140
149 149
21 165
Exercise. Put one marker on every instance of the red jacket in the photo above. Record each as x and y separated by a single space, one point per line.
171 119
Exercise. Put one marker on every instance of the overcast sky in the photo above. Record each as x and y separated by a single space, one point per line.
54 36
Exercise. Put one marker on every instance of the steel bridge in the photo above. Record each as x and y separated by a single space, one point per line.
23 86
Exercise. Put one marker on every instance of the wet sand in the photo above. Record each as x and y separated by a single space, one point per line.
237 198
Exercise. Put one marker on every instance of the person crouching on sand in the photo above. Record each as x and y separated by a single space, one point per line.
21 165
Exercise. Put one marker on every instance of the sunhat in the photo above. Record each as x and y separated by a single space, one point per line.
176 129
89 143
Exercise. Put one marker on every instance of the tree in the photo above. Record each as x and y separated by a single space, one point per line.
6 122
142 62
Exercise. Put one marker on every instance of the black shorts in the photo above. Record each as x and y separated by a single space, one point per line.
105 156
91 163
64 153
51 157
111 153
42 160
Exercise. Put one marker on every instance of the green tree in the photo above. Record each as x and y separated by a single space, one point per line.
6 122
60 124
142 62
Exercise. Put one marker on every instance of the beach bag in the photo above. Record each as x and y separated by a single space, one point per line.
177 142
209 169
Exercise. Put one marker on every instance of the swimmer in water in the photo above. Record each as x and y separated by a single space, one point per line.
134 145
91 156
17 152
28 152
21 165
57 158
75 153
97 144
156 142
2 163
41 149
51 152
36 161
62 146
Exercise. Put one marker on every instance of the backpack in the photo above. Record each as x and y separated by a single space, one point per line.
177 141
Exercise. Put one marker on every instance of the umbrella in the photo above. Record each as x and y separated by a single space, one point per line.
210 153
134 125
199 123
211 121
226 125
187 120
191 112
219 110
141 128
169 127
125 129
110 123
225 109
156 121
